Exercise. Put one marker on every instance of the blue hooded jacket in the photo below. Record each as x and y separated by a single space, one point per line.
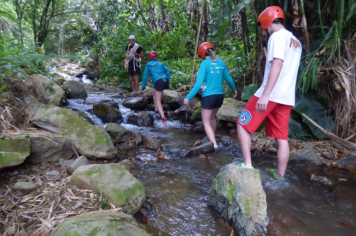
157 70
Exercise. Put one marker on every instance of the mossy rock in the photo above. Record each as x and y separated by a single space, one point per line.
100 224
91 141
141 119
114 182
120 135
238 196
13 151
48 89
108 112
75 89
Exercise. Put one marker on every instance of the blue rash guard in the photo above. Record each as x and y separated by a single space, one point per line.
157 70
211 75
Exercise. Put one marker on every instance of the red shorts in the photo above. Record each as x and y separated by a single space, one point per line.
276 116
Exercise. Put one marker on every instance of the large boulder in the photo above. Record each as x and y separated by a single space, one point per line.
121 135
92 69
100 224
169 95
230 110
13 151
142 119
135 103
237 195
91 141
113 181
75 89
201 149
306 155
48 89
108 112
46 149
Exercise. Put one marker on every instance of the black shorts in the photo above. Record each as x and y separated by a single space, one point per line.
161 85
131 70
212 101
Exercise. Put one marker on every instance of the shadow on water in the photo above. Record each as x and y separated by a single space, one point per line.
178 188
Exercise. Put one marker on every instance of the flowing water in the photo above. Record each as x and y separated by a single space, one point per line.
178 188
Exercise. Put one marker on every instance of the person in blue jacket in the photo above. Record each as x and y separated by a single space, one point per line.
211 75
160 75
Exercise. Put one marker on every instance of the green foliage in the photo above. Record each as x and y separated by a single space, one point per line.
248 91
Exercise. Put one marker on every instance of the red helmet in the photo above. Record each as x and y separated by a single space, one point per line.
202 49
269 15
151 54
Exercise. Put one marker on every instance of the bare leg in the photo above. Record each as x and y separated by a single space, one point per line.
282 157
213 119
136 82
159 107
132 83
244 138
206 115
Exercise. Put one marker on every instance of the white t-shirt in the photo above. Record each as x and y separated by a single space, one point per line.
285 46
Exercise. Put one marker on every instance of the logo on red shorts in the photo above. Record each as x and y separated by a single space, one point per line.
245 117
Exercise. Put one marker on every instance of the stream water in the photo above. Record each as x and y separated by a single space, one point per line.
179 194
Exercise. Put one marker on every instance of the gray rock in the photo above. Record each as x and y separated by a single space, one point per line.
271 150
108 112
135 103
327 155
100 224
46 149
348 161
48 89
85 116
152 142
113 181
25 186
230 110
95 100
76 89
199 128
52 174
133 94
201 149
13 151
306 155
120 135
91 141
65 163
169 95
237 195
322 179
80 161
142 119
60 79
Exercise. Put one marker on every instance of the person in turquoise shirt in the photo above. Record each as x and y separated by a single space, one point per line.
211 75
160 76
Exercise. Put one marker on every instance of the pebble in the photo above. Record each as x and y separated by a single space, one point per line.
25 186
52 174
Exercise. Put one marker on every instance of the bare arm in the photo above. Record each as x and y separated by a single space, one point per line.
139 54
276 68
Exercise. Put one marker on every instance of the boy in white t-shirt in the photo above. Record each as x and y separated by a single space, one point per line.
275 98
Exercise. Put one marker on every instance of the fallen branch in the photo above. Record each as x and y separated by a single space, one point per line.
345 143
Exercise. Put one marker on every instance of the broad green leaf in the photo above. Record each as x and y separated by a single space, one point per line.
352 12
248 91
297 129
240 6
3 87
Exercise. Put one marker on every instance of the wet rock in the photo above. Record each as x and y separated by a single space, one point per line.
120 135
176 104
348 161
13 151
201 149
48 89
321 179
98 224
142 119
80 161
152 142
108 112
133 94
199 128
52 174
167 172
135 103
238 197
271 150
113 181
169 95
25 186
230 110
146 157
197 143
95 100
307 155
75 89
90 141
194 101
46 149
127 164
